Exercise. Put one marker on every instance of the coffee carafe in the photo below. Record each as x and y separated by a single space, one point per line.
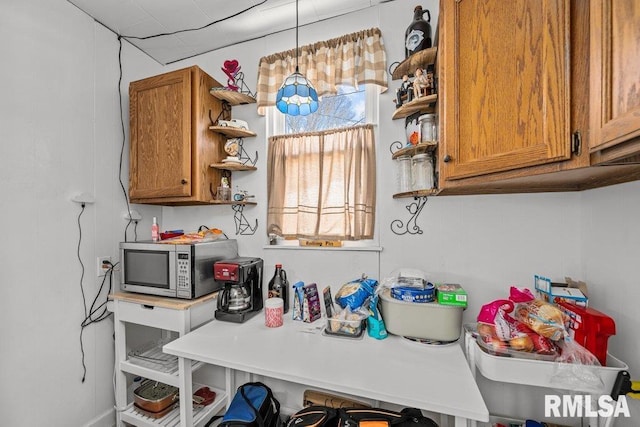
241 295
234 297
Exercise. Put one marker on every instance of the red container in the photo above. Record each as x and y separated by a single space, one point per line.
590 328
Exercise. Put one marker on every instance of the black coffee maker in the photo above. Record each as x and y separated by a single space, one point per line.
241 295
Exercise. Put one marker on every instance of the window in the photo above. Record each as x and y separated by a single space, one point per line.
321 177
321 169
346 108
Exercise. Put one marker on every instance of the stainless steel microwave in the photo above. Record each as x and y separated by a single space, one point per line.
178 271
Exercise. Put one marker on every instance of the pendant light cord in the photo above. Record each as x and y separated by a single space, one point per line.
297 25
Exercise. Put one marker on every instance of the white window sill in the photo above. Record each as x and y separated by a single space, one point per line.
316 248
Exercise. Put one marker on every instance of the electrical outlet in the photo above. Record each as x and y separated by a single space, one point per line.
102 268
133 215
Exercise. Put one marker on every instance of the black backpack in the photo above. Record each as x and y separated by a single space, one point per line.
376 417
323 416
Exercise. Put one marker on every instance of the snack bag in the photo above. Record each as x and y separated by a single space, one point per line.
544 318
298 300
375 322
499 331
355 293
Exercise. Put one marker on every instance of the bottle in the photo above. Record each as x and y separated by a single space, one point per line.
418 34
155 233
278 286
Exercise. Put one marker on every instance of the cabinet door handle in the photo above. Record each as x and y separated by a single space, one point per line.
183 181
447 158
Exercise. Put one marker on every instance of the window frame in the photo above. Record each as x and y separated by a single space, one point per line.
275 125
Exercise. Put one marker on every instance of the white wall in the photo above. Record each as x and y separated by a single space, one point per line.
59 125
61 135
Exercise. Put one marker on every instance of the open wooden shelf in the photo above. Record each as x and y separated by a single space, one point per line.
419 59
233 167
424 104
417 193
232 132
231 96
231 202
412 150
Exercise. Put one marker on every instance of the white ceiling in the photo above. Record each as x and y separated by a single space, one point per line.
141 18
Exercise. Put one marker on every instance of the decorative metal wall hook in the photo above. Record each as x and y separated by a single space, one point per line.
243 156
243 86
225 113
395 146
242 224
411 226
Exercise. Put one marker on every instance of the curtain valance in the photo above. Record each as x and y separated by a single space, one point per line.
352 59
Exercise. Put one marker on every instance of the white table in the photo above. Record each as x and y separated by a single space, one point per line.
393 370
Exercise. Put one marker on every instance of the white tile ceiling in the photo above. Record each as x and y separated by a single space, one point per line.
142 18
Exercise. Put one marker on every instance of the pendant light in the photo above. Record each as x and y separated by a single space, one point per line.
297 96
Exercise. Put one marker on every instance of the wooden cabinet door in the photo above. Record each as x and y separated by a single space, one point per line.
160 120
504 73
615 72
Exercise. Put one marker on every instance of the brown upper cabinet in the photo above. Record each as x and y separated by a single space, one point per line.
171 144
508 72
514 97
615 83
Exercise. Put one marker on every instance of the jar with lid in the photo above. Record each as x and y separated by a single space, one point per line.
428 128
421 172
403 174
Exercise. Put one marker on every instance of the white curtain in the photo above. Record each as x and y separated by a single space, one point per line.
322 184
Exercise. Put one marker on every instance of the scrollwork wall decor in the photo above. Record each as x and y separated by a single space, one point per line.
395 146
242 224
243 156
411 226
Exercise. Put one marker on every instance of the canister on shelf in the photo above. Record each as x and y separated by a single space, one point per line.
403 173
428 128
421 172
412 127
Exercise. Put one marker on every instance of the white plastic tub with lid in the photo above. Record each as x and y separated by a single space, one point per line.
429 321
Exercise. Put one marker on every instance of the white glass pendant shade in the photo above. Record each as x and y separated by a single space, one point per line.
297 96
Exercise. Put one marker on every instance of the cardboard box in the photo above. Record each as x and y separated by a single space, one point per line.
451 294
554 293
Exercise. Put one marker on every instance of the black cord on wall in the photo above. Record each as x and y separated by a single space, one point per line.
120 37
84 302
96 313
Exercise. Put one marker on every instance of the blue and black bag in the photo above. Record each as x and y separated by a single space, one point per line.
253 405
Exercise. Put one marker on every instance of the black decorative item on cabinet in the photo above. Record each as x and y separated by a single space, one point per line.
418 34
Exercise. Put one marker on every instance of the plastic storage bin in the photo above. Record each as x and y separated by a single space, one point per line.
429 321
350 328
550 374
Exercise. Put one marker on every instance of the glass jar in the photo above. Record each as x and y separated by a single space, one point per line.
404 173
428 128
421 172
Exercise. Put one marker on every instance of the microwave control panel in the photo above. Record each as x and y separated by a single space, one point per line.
183 270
